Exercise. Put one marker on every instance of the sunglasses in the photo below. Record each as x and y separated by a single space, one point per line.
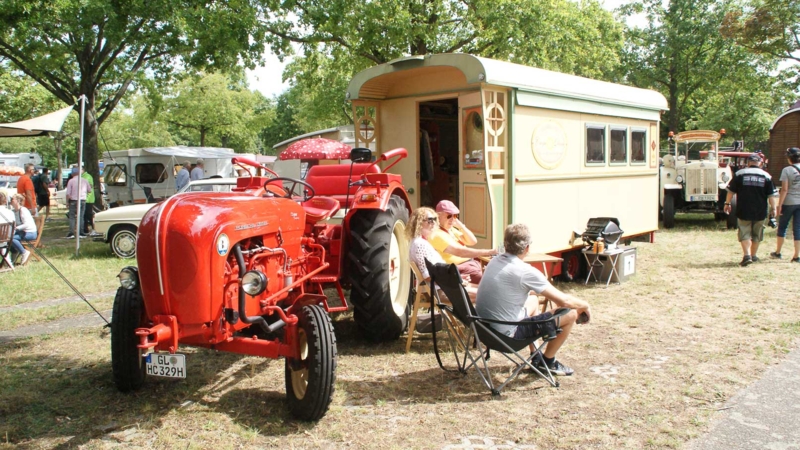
431 219
450 216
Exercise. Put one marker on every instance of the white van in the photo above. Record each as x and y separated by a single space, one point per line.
131 176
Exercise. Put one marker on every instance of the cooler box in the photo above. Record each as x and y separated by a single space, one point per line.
626 266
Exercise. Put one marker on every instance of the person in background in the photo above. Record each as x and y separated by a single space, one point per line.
26 228
505 291
88 211
77 190
753 189
182 179
789 204
6 216
197 172
452 239
43 193
26 189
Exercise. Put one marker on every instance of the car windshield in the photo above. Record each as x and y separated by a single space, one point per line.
223 186
691 150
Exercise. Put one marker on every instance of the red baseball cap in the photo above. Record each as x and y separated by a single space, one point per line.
446 206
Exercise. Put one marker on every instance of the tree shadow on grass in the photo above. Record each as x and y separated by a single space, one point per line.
72 400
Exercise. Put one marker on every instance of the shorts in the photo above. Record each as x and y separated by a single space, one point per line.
535 329
42 200
751 230
471 268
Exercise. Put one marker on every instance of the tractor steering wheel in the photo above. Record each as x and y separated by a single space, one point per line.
307 194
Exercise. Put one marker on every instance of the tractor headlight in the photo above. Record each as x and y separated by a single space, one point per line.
725 177
679 179
129 278
254 282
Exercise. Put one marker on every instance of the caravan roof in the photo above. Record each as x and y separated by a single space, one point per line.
182 152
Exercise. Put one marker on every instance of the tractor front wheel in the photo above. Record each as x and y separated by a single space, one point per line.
126 360
379 271
669 211
310 380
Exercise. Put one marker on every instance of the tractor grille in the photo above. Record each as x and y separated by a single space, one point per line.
701 181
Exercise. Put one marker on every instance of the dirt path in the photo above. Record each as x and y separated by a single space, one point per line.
55 326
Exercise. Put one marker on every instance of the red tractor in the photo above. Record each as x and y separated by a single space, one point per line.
245 272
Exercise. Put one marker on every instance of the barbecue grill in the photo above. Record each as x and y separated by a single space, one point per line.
602 227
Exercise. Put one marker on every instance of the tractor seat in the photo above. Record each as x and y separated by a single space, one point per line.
332 180
320 208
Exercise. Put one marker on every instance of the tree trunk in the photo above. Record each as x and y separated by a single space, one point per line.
59 138
202 137
90 147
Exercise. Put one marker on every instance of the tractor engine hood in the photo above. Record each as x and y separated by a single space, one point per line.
185 242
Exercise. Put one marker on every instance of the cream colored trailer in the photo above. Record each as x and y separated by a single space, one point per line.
515 144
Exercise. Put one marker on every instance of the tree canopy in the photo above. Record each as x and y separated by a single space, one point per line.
99 49
770 27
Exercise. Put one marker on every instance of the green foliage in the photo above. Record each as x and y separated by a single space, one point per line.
283 127
682 54
101 48
342 37
770 27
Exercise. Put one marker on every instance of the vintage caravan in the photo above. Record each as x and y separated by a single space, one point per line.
133 175
509 143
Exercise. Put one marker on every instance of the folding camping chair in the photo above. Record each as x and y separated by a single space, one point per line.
422 299
471 338
36 243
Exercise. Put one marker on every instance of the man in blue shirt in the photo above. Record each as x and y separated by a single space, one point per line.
182 179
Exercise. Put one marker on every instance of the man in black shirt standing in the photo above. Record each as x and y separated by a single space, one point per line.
754 189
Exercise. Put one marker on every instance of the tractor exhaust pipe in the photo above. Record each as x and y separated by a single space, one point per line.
237 252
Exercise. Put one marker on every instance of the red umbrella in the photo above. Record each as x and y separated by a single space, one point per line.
317 148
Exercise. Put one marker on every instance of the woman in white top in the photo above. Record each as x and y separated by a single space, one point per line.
421 225
789 204
26 227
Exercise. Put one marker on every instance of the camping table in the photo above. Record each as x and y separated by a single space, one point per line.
595 262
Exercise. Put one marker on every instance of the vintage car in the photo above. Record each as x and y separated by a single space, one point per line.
117 226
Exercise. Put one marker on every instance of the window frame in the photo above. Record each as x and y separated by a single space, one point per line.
595 126
162 177
644 146
624 129
124 168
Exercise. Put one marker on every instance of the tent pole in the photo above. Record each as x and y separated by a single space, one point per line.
78 230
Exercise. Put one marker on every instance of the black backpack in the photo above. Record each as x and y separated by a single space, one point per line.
37 188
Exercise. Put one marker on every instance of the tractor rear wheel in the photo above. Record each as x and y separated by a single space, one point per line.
732 222
379 271
309 381
669 211
126 360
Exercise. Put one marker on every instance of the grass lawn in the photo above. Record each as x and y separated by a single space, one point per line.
662 354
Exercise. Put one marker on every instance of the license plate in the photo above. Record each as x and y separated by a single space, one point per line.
166 365
703 198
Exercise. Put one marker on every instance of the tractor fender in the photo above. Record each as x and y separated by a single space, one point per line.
381 197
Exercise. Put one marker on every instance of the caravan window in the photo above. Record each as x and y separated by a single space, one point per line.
619 145
595 144
116 175
150 173
638 146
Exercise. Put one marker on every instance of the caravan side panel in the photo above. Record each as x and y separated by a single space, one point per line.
556 190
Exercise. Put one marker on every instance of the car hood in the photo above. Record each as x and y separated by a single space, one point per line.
124 213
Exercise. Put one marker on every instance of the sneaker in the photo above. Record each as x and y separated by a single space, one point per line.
556 368
746 261
84 236
25 257
797 260
71 236
755 258
775 255
48 220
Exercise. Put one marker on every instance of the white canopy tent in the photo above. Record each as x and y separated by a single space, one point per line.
38 126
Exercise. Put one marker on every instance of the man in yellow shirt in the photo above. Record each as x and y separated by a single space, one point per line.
452 239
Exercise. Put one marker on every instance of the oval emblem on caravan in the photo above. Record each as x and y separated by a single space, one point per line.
549 144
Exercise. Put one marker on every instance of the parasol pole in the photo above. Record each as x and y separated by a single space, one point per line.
78 230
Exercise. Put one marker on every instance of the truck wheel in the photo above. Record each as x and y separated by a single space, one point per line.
126 360
123 242
669 211
310 381
571 267
379 271
732 222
